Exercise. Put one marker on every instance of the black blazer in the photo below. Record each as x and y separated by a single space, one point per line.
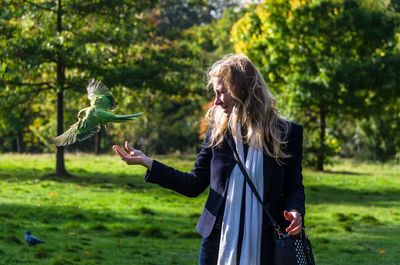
283 187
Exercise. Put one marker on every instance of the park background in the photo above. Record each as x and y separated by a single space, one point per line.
333 67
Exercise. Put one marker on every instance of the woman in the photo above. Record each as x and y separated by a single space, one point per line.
233 226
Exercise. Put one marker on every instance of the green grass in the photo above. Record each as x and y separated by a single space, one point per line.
106 214
354 213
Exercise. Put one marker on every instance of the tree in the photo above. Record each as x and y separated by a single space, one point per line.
58 45
124 44
326 57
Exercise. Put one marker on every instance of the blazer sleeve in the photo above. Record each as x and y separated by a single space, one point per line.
293 196
189 184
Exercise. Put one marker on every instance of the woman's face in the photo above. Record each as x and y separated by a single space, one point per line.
222 96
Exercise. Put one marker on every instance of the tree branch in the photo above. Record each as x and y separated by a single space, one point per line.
38 6
27 84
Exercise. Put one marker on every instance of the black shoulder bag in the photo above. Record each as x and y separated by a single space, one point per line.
289 250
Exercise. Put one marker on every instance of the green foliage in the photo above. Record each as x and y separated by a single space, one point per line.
213 39
324 60
374 138
169 127
85 42
106 214
333 66
123 43
174 16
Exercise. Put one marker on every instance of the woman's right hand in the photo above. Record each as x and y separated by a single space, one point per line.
132 156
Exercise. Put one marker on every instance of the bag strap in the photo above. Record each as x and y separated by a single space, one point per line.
254 190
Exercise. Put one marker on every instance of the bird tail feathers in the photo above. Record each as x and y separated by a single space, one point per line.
128 117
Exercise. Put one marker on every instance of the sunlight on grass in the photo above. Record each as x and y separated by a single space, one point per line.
106 214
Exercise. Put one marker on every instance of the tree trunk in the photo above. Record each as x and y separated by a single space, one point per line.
322 129
60 163
97 141
20 142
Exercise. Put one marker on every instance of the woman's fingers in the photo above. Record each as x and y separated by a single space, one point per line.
295 231
120 152
287 216
132 156
295 219
129 148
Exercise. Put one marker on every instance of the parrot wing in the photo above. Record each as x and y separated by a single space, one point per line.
67 138
77 132
100 96
88 129
96 88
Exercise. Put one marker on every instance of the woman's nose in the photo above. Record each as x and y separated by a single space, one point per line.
217 101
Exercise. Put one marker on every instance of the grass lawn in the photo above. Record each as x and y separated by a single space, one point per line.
106 214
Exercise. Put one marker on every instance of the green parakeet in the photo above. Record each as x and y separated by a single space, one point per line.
91 119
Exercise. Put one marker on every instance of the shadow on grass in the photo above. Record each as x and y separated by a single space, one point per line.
73 235
324 194
343 172
16 218
366 245
81 177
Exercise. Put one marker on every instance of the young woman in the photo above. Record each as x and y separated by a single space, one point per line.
233 226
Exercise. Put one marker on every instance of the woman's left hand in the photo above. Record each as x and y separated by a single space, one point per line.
296 222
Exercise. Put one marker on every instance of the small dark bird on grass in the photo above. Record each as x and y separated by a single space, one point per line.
32 240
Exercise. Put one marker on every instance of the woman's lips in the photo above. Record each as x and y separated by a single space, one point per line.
226 109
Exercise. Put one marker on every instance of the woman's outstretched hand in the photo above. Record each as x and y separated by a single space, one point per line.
132 156
296 222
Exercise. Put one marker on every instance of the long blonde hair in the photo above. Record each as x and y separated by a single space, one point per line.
254 107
